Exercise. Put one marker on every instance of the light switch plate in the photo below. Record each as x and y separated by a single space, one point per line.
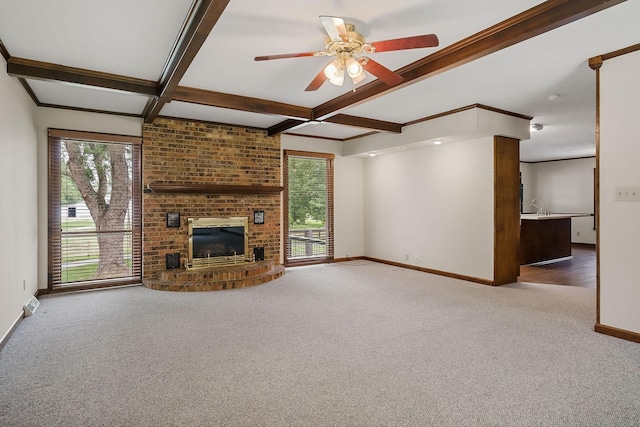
627 194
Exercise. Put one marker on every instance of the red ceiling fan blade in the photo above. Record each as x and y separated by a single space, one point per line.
380 71
285 55
335 27
415 42
317 81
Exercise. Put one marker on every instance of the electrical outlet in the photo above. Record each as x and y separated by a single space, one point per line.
577 233
24 285
406 257
417 259
627 194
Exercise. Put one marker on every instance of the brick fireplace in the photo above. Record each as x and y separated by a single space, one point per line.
207 170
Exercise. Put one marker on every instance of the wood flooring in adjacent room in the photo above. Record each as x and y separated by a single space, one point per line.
578 271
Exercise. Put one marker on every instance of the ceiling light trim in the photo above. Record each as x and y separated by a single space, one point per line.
363 122
87 110
615 53
468 107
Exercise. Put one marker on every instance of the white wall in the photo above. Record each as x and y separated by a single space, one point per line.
434 205
349 207
348 193
73 120
619 166
18 216
567 186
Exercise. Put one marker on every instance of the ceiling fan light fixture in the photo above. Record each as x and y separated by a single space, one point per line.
355 70
338 80
335 73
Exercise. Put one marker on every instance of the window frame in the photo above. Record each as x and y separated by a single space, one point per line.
54 220
329 257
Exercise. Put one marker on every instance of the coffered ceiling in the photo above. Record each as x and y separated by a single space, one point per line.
195 60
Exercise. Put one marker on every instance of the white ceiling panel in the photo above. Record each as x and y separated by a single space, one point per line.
131 38
87 97
329 130
218 115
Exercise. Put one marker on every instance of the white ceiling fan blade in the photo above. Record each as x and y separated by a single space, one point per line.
335 27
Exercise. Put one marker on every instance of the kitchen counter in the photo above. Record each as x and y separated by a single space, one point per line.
545 237
536 217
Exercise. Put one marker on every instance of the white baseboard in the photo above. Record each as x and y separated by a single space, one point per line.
11 329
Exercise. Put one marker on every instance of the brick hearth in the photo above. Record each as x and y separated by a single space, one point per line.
215 278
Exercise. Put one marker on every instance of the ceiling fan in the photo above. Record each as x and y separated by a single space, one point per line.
345 43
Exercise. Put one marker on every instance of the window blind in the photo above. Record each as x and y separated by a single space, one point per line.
308 207
94 210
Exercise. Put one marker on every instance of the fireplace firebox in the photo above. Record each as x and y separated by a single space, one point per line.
218 241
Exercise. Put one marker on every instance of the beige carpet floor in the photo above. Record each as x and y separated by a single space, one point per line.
346 344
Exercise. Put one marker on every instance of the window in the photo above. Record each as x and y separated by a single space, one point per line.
94 210
308 207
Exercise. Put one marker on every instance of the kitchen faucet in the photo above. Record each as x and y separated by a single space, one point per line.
542 210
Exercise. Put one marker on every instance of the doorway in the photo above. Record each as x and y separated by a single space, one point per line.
565 187
579 271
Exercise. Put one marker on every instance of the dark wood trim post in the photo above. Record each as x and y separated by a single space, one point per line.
506 171
595 63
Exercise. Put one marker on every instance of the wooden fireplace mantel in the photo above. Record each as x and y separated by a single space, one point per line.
163 187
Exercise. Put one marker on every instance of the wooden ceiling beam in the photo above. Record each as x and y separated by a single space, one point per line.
362 122
241 103
202 18
24 68
284 126
546 16
299 115
29 69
